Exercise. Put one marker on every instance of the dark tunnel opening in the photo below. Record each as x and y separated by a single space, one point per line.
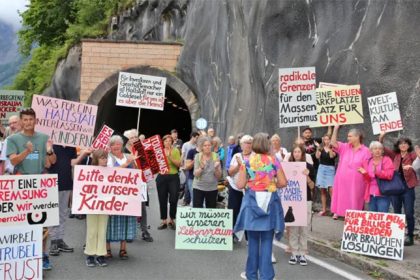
175 115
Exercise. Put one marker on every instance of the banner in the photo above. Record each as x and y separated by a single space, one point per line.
374 234
155 154
293 196
142 162
102 140
29 200
21 253
11 102
67 123
204 229
385 113
297 100
141 91
107 190
339 105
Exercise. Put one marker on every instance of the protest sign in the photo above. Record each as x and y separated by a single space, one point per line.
21 253
102 140
29 200
141 91
66 122
297 100
11 102
293 196
142 162
107 190
155 154
329 85
384 113
339 105
374 234
204 229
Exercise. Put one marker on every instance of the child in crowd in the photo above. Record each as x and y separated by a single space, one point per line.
298 235
96 224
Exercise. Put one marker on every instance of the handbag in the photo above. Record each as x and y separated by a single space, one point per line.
395 186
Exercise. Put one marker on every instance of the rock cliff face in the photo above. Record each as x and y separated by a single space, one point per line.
233 49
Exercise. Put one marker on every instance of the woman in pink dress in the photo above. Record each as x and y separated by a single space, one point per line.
349 186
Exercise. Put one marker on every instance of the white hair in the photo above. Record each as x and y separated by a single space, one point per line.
114 139
246 138
131 133
375 144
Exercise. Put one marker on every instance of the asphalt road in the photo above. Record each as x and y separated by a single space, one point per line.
159 259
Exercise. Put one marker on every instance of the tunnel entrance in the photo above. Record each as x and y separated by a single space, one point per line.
180 110
175 115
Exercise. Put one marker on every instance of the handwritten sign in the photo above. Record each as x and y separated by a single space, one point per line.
297 101
204 229
293 196
66 122
21 253
29 200
141 91
374 234
155 154
107 190
11 102
142 161
102 140
339 105
385 113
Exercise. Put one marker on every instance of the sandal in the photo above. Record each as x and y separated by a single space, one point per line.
108 254
172 225
322 213
123 255
162 226
335 217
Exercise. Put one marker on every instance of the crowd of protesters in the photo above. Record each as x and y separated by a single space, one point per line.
249 166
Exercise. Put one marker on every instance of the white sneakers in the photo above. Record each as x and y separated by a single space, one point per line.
273 258
301 259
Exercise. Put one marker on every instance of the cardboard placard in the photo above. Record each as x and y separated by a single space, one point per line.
142 162
107 190
21 253
374 234
11 102
297 100
66 122
204 229
155 154
102 139
141 91
339 105
293 197
29 200
385 113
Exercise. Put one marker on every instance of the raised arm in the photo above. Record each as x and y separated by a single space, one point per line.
334 142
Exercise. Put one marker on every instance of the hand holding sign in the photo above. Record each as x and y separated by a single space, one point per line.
49 146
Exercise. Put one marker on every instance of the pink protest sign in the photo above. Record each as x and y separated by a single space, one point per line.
107 190
155 154
102 140
293 197
68 123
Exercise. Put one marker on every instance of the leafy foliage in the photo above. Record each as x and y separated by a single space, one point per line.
54 26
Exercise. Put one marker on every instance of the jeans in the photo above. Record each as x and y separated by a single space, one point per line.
407 198
379 203
190 189
167 186
260 246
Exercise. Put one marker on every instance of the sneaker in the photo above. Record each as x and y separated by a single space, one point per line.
243 275
293 259
54 251
303 261
63 247
146 236
46 265
273 258
100 261
408 241
90 261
